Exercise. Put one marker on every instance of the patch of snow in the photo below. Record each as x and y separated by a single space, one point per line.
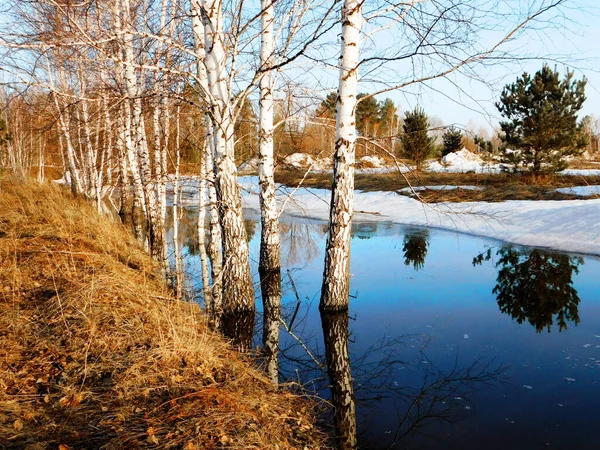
439 188
581 172
538 223
323 164
463 161
299 160
373 162
583 191
249 166
387 169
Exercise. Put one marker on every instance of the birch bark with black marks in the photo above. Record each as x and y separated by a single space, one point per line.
213 291
202 236
336 274
269 267
132 88
238 292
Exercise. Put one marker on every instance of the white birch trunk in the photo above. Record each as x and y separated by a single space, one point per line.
238 292
336 273
76 185
270 259
153 213
179 276
214 291
202 236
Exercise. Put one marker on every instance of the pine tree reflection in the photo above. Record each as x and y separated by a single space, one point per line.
535 285
364 230
415 248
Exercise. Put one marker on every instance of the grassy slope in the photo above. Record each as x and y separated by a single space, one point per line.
95 353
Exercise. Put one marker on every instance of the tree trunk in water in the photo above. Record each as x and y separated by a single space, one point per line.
335 332
179 266
212 293
336 274
236 280
215 242
238 292
202 235
269 267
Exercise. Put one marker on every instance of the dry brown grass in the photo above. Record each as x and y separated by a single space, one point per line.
96 354
493 187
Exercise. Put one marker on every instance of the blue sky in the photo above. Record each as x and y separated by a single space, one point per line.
573 40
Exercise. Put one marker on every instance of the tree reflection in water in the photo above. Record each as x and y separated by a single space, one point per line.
335 331
415 248
536 285
298 243
367 384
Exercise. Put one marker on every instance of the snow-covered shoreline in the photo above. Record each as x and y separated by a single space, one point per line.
566 225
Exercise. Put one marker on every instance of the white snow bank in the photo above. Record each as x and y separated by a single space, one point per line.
463 161
568 225
387 169
299 160
372 162
581 172
572 225
583 191
249 166
305 161
439 188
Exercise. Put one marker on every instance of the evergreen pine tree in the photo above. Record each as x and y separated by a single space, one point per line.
367 115
542 127
453 141
417 145
327 107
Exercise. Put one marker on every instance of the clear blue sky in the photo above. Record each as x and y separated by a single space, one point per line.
575 40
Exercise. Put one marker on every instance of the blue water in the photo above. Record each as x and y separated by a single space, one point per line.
433 331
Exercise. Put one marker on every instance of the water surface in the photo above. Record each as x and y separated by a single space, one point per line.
456 341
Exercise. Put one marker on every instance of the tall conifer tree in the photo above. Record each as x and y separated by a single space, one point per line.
416 142
542 126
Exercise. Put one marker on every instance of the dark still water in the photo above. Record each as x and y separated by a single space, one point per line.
456 341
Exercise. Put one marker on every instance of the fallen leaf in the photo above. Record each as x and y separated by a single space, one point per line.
18 424
71 400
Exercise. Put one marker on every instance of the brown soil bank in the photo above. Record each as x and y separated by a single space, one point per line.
94 353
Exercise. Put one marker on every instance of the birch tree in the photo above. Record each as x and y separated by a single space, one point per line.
270 252
336 275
